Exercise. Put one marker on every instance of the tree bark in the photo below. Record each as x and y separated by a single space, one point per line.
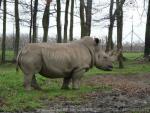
45 21
34 38
4 32
0 3
71 20
147 35
119 16
88 16
82 19
85 19
66 21
31 22
17 38
58 21
109 45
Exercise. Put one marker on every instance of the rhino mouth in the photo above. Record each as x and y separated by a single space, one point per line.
108 68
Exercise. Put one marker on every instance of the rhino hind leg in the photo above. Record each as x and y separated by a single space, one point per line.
27 81
66 82
30 66
34 83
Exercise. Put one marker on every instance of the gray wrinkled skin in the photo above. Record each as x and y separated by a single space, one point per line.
66 60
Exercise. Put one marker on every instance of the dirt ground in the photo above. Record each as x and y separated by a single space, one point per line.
130 94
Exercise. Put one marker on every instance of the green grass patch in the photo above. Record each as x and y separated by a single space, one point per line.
13 97
9 55
133 55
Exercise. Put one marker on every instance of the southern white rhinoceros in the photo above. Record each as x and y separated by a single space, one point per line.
64 60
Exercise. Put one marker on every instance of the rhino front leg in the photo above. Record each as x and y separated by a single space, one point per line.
34 83
66 82
76 79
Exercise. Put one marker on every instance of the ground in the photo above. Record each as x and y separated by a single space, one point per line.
119 91
127 94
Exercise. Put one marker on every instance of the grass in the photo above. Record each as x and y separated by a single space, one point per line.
13 97
9 55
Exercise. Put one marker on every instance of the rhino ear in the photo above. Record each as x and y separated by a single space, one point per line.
97 41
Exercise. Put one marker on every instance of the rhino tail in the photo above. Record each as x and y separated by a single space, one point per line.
17 61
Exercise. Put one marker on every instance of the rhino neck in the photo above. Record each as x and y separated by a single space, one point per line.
91 51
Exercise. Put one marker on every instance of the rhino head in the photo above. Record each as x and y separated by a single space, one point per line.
104 60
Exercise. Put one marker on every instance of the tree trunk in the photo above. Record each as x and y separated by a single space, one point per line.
66 21
0 3
31 22
45 21
85 22
112 24
82 19
17 38
88 16
34 39
109 45
58 21
147 35
4 32
119 16
71 20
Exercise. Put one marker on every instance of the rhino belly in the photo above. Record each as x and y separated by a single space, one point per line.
54 73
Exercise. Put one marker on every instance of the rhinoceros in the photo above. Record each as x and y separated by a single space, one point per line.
62 60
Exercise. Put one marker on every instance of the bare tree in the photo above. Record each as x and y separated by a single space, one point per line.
82 18
31 22
147 34
85 19
45 21
17 37
71 20
4 32
109 45
88 16
119 16
0 3
58 21
34 38
112 20
66 20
